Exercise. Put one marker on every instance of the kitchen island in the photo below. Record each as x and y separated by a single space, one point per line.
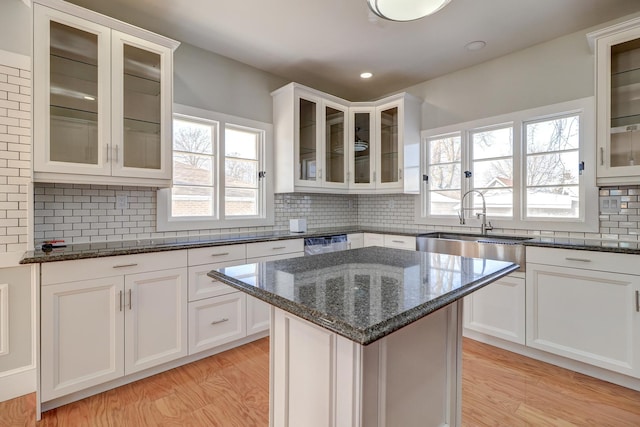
365 337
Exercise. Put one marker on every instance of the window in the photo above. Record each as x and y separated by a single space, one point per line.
552 162
492 170
535 170
220 166
445 157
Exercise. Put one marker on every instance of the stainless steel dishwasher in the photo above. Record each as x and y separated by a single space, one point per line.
322 245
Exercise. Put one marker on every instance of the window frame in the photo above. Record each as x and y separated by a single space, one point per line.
265 217
587 221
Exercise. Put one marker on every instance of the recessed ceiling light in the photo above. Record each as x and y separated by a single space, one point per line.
366 75
475 45
89 98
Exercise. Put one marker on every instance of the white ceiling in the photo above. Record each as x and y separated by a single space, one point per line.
326 44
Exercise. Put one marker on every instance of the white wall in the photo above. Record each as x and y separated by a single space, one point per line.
205 80
15 27
548 73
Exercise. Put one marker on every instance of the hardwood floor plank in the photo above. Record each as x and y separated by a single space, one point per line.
230 389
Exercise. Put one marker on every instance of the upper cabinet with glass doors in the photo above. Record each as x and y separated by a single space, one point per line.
102 99
311 140
617 50
327 144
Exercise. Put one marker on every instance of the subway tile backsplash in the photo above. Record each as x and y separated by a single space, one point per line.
87 213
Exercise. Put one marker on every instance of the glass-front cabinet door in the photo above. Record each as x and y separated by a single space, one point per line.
390 158
618 106
71 94
335 145
362 152
308 147
141 79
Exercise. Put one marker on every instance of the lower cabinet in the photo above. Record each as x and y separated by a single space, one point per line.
498 309
581 305
216 321
98 330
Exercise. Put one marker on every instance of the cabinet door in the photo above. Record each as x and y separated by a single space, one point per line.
335 143
155 318
373 239
618 104
141 103
498 310
82 335
590 316
390 157
72 116
308 119
362 148
216 321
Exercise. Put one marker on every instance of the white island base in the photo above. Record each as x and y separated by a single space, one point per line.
409 378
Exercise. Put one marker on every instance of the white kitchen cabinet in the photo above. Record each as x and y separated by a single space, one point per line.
371 239
328 144
259 312
216 321
311 135
102 99
155 318
583 305
399 242
617 52
355 240
108 317
82 335
498 309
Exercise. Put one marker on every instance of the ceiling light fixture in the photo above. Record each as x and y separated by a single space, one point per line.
89 98
405 10
366 75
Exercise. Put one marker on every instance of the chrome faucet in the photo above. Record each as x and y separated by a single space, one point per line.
484 227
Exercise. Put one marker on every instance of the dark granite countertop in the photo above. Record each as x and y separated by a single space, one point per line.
364 294
129 247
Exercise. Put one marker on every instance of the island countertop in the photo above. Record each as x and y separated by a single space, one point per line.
364 294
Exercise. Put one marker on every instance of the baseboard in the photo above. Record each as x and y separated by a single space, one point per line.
17 383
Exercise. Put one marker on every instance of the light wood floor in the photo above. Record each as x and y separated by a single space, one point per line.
231 389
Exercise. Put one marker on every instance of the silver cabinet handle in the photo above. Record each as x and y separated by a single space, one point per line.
224 319
115 149
578 259
129 299
601 156
278 247
120 300
637 301
397 241
107 146
400 174
221 254
319 173
125 265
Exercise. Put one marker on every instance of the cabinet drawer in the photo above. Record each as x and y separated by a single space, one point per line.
584 260
216 321
82 269
400 242
215 254
202 286
373 239
276 247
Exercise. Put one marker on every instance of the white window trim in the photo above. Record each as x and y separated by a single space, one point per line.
167 223
589 219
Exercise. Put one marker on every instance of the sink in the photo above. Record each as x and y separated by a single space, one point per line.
503 248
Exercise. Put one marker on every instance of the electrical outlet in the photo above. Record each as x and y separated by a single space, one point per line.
610 205
122 201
